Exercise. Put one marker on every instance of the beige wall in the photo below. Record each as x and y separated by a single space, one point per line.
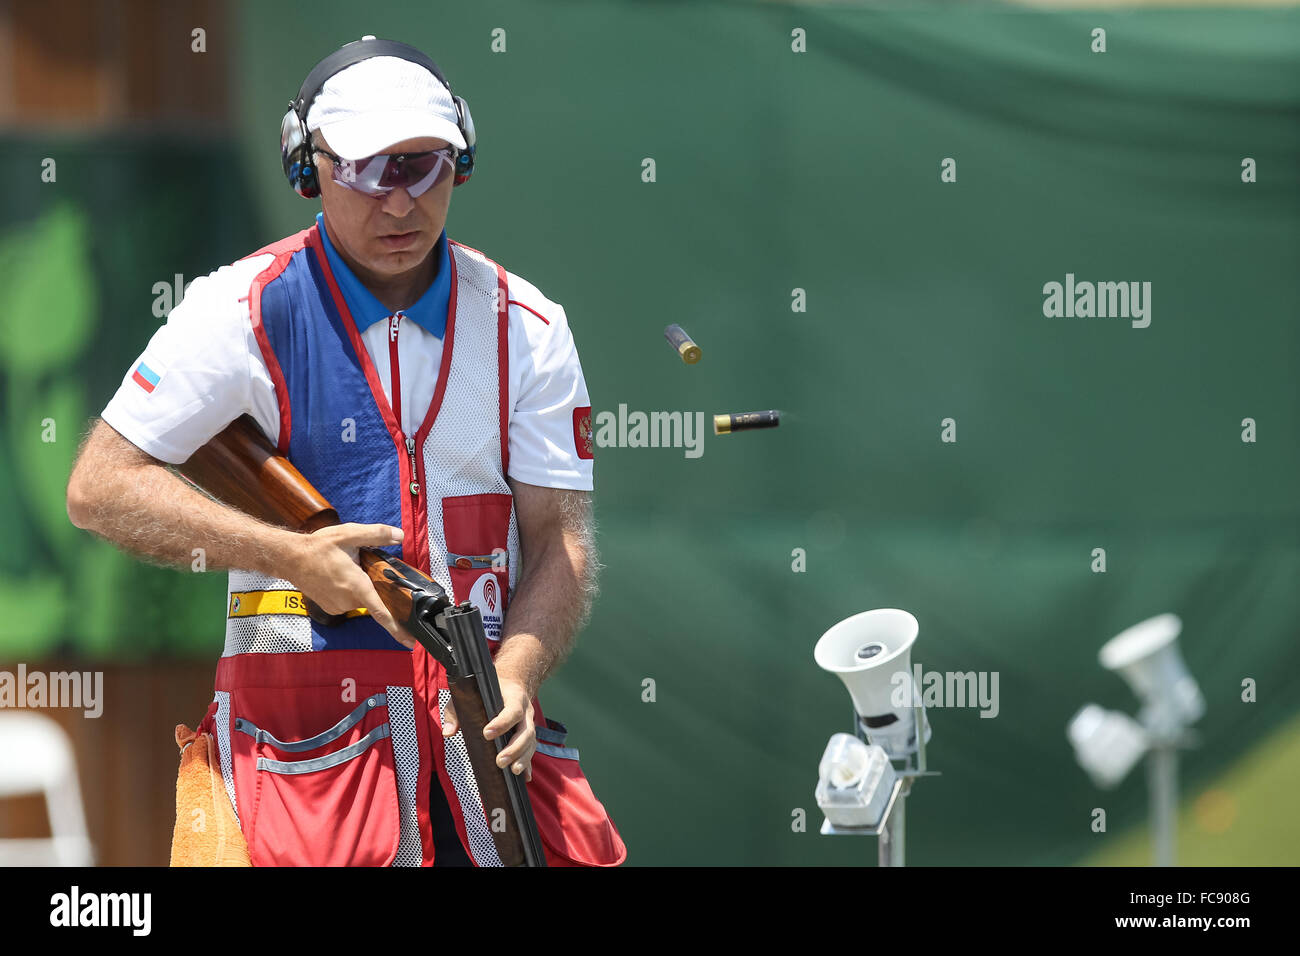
80 63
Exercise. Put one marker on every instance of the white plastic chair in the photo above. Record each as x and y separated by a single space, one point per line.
36 757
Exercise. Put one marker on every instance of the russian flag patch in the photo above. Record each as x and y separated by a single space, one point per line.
145 377
582 438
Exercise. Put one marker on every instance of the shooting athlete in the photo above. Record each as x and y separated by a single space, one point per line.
437 401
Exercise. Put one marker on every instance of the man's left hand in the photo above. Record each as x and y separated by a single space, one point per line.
517 713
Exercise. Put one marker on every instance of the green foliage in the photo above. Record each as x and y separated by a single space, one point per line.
62 588
35 609
47 311
47 293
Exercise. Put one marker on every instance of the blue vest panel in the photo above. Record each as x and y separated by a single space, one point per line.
337 438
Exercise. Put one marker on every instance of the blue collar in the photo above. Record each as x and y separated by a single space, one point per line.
429 312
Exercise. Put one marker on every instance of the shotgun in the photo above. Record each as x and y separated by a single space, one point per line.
241 468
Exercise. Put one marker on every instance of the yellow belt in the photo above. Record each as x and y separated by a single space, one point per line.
250 603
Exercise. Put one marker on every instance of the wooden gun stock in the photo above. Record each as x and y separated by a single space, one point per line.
240 467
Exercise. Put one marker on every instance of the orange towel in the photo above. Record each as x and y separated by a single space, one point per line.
206 833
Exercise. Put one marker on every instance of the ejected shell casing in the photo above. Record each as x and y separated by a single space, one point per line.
678 339
724 424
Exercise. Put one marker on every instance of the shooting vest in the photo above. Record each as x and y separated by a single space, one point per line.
336 730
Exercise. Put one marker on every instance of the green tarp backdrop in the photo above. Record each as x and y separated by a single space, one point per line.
921 300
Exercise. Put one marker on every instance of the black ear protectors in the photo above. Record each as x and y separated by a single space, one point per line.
296 153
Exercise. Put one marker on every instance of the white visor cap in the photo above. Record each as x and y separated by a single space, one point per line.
379 102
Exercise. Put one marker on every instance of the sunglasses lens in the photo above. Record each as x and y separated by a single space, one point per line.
379 175
408 170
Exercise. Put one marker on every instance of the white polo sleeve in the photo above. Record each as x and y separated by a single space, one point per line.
199 372
551 442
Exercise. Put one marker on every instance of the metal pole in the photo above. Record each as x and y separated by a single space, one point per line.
1162 781
891 844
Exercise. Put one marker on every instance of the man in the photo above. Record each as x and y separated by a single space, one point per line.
437 401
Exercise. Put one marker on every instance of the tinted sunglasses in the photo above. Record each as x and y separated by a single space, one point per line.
379 175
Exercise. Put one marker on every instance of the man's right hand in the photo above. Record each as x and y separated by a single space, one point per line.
325 568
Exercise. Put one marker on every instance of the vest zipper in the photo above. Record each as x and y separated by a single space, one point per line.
415 485
394 329
394 369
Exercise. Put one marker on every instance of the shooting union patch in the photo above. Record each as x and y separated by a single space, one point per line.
487 596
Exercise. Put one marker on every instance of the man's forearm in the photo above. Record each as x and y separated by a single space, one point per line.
548 606
135 502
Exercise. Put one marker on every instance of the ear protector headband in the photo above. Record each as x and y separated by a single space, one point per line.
295 140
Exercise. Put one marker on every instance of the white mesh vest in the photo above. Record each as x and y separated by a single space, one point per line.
462 455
